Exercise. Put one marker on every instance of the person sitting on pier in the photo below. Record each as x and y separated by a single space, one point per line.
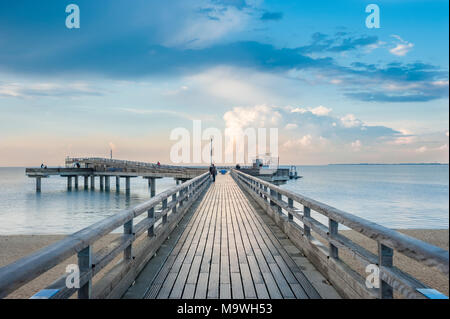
213 172
158 164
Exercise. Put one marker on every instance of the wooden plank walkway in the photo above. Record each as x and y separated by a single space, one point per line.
227 251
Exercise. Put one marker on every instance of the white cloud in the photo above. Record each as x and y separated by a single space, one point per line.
304 141
186 116
205 26
234 85
10 90
33 89
291 126
403 140
422 149
444 147
259 116
179 90
319 111
350 120
356 145
336 81
299 110
402 47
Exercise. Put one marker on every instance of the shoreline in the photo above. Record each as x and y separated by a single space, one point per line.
14 247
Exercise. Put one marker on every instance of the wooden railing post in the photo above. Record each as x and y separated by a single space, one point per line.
272 194
84 265
385 259
164 206
333 230
280 198
151 229
128 230
307 214
181 196
174 200
291 205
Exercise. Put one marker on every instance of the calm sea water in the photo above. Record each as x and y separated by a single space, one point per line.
57 211
392 195
395 196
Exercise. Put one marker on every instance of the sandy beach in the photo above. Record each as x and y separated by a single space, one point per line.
15 247
428 276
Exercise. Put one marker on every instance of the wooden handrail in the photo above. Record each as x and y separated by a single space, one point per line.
389 240
129 163
26 269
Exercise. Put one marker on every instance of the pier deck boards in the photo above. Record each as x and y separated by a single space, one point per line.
227 251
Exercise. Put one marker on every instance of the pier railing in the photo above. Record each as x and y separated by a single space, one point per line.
138 243
305 231
119 163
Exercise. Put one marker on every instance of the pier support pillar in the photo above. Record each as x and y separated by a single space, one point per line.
127 184
152 185
86 182
118 183
102 182
92 182
107 183
76 181
69 182
38 184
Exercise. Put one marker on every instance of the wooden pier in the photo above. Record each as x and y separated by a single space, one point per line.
240 237
93 168
227 251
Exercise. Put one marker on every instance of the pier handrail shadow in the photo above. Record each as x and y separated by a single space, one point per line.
163 216
304 231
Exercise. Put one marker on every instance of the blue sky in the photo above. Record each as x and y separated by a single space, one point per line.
338 91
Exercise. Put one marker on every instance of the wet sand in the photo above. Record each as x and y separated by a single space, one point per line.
13 248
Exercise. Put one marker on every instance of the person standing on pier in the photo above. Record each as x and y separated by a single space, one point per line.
213 172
